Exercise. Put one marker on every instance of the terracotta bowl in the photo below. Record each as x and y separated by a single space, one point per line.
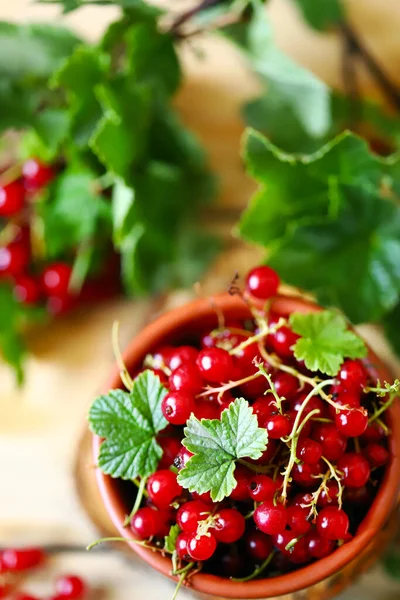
322 579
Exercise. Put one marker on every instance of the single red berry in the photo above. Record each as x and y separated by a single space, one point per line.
55 279
264 407
332 523
186 378
36 174
269 518
281 540
182 354
314 403
352 375
60 305
332 441
204 409
215 365
246 358
201 547
262 282
361 496
241 490
190 513
318 546
71 587
309 451
26 289
329 494
229 526
261 488
170 445
278 426
177 407
14 259
355 469
306 426
297 519
12 198
206 498
21 559
353 422
374 433
306 475
161 357
376 454
258 545
146 523
163 488
224 338
255 387
182 546
182 458
286 385
283 341
304 500
298 551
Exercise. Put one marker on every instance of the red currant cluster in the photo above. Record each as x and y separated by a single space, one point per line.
313 484
33 279
15 562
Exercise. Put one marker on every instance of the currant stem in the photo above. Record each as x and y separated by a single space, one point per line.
257 571
139 497
384 407
228 386
123 371
268 377
335 476
126 540
183 575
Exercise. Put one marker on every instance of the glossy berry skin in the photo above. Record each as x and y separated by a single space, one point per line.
26 289
163 488
171 446
146 523
161 357
278 426
355 469
286 385
258 545
204 409
305 475
21 559
182 458
376 454
202 547
36 174
282 341
329 495
182 546
190 513
70 587
177 407
309 451
262 282
181 355
205 498
229 526
297 519
264 407
12 198
261 488
353 422
241 490
215 365
186 378
373 433
270 519
318 546
332 523
55 280
332 441
14 259
352 375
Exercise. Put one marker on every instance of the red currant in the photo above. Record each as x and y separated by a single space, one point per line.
376 454
306 475
297 519
14 259
352 375
163 488
12 198
269 518
332 523
261 488
182 546
286 385
262 282
186 378
329 494
258 545
278 426
224 338
60 305
229 526
146 523
204 409
332 441
283 341
304 500
26 289
161 357
36 174
22 558
267 455
318 546
71 587
353 422
202 547
314 403
241 490
181 355
55 280
355 469
182 458
373 433
177 407
361 496
255 387
190 513
215 365
298 552
309 451
171 446
206 497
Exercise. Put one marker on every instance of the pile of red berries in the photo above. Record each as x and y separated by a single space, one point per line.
14 562
34 280
304 497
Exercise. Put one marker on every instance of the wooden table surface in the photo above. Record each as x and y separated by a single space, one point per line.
41 425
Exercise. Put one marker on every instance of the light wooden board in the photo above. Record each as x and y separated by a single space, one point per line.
40 426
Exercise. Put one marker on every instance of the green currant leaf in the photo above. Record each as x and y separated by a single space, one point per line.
129 422
322 15
216 445
170 539
325 341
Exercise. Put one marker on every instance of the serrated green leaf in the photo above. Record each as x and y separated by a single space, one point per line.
130 422
216 445
49 130
325 341
170 539
322 14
